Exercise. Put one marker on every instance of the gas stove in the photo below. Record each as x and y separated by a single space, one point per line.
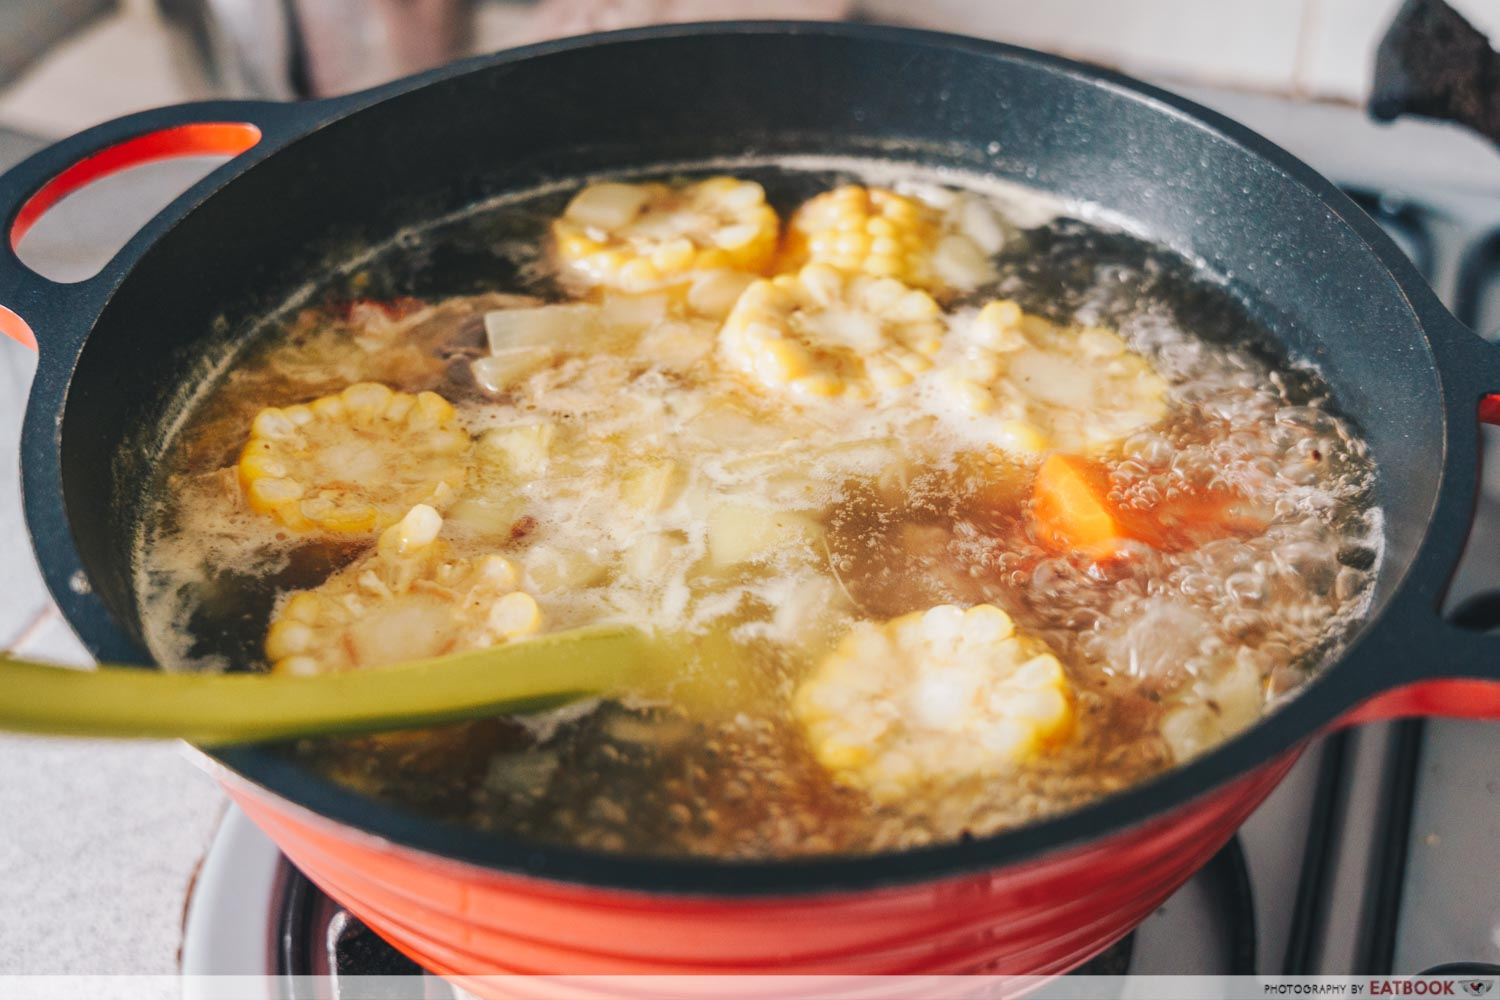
1379 854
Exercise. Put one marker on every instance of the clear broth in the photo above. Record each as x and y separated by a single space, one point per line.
1140 637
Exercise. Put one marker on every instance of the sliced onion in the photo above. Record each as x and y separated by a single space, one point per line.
715 293
633 312
960 264
563 327
979 222
1053 379
504 369
607 206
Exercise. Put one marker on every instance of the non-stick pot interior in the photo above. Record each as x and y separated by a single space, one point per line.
513 123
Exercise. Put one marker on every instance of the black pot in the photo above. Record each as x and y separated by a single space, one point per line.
119 351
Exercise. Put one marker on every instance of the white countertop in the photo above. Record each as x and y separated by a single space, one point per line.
99 841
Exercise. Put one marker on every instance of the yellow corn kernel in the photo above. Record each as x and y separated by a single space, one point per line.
327 408
933 698
821 385
886 374
638 237
298 666
1097 342
1057 387
273 423
997 326
418 529
430 410
302 607
499 571
1021 438
288 638
910 362
409 598
368 399
782 362
270 494
328 465
262 462
969 396
824 333
514 615
878 232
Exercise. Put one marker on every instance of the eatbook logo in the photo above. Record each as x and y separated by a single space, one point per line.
1478 987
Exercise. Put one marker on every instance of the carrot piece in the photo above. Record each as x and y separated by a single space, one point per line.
1196 518
1070 503
1072 511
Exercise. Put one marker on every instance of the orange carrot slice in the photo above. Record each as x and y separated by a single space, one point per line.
1072 511
1070 503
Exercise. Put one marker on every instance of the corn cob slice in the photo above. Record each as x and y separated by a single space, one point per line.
354 461
1030 386
879 232
638 237
938 696
408 599
824 333
867 230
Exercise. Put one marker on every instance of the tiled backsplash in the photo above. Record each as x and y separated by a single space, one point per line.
1320 49
1310 48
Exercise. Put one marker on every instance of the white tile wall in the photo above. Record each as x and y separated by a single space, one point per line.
1338 46
1313 48
1339 39
121 63
1321 49
1252 44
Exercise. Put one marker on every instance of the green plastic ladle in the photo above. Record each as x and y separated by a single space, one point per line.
216 709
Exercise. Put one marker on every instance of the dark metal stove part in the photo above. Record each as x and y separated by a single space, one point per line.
1435 64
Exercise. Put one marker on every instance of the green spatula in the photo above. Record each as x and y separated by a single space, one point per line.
213 709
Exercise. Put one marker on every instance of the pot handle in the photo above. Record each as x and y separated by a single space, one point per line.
29 301
1461 665
1470 689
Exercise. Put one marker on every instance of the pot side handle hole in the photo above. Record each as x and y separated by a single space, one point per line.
72 213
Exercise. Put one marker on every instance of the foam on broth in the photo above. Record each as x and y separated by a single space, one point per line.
1148 641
